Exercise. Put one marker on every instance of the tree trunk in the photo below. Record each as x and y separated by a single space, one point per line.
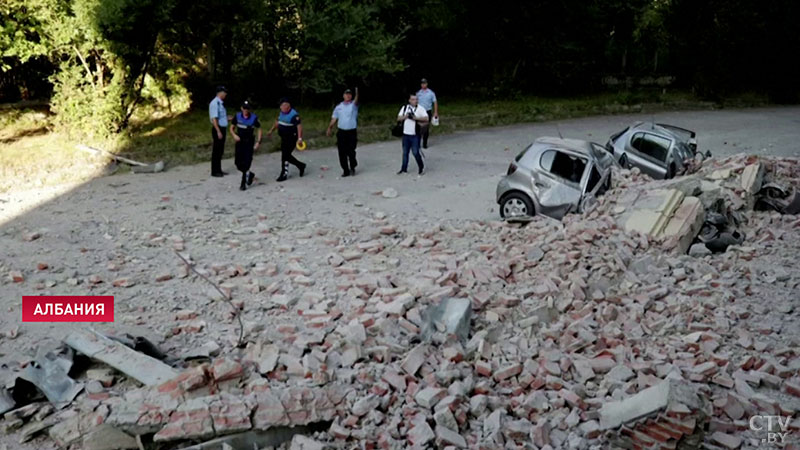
624 59
89 73
655 62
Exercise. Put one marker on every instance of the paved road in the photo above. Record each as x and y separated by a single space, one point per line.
462 170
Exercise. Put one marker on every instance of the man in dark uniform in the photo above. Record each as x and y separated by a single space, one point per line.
243 130
219 121
290 129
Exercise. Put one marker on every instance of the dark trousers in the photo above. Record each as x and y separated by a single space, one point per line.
288 143
217 150
346 141
411 143
244 154
426 128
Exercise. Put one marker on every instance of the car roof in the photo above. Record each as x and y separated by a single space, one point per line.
575 145
651 126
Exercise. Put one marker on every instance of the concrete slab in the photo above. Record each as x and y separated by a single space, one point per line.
652 211
668 394
684 225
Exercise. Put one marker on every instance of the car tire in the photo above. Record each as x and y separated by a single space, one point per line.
623 161
516 203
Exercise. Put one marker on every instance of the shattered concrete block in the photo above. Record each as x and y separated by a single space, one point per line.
478 404
649 401
224 369
726 440
414 359
699 250
620 374
300 442
450 316
265 356
398 305
752 178
517 430
365 404
449 437
429 396
541 433
269 411
230 414
74 428
192 420
493 426
143 368
652 211
509 371
106 437
420 434
684 225
444 418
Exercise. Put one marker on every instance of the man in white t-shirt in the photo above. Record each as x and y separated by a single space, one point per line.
413 116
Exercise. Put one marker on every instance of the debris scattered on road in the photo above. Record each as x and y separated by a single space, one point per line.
145 369
49 373
579 333
138 167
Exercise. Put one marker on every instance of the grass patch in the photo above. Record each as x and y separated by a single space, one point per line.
28 147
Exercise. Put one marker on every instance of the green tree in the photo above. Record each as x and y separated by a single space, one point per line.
340 41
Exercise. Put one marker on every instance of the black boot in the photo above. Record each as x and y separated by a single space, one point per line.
250 177
243 186
302 169
284 171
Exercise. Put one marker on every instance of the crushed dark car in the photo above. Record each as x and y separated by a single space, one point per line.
659 150
553 177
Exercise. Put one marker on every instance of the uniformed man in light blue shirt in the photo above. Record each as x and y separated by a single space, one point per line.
346 113
219 122
427 100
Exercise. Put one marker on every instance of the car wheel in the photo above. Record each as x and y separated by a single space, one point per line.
623 161
516 204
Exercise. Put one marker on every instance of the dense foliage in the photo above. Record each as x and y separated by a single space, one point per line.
103 58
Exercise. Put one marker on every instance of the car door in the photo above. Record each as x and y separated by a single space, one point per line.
650 153
558 183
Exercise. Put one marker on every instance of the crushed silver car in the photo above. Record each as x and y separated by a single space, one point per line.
657 149
554 176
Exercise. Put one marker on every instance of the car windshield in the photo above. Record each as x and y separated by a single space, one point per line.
684 151
601 155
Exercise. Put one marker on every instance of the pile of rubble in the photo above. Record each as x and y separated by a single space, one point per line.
595 331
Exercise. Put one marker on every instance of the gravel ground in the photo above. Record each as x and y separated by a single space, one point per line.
127 227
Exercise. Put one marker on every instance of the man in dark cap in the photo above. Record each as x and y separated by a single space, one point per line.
346 113
427 100
290 129
243 130
219 120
